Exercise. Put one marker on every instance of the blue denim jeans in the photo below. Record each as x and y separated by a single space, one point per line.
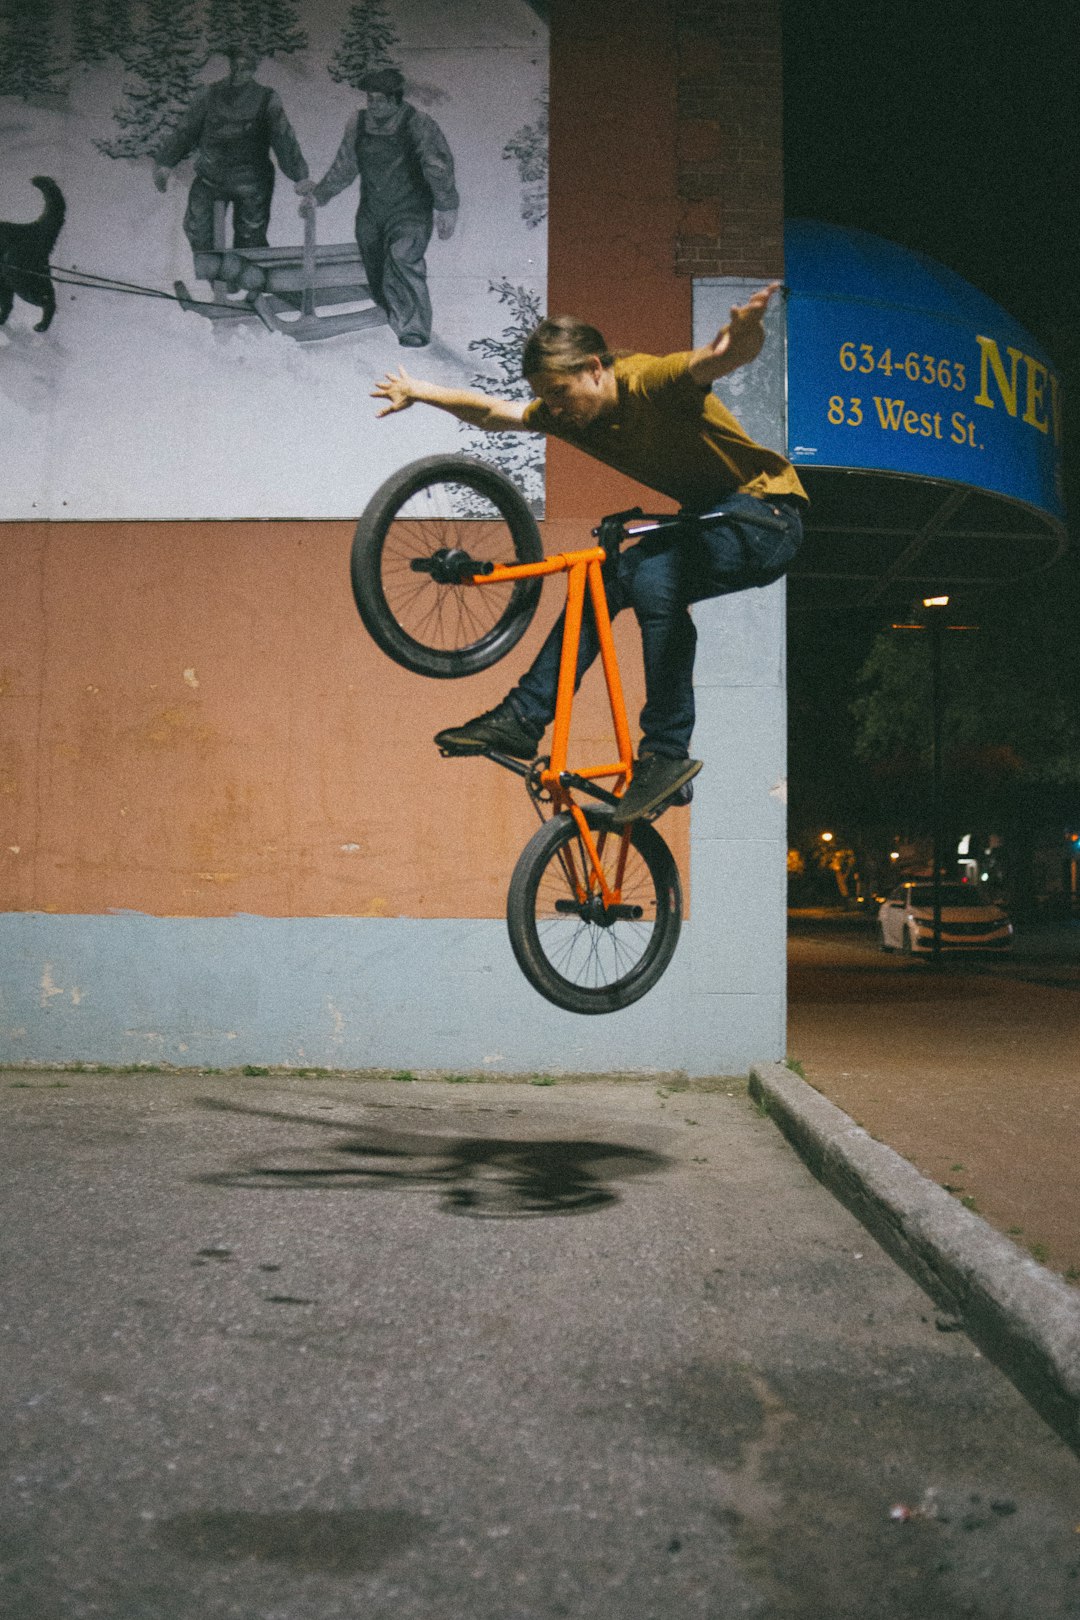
740 544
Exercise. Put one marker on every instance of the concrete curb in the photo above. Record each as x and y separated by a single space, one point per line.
1023 1317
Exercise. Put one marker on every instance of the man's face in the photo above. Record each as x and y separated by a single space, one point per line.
380 108
242 67
577 398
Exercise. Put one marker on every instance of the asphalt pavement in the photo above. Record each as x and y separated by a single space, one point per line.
308 1347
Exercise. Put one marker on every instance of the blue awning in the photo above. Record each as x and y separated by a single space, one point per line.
897 364
925 422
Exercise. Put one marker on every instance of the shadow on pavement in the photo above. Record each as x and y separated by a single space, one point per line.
486 1177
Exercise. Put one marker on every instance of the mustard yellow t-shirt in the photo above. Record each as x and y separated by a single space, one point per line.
674 435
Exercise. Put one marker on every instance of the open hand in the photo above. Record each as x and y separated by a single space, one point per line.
397 389
741 340
745 332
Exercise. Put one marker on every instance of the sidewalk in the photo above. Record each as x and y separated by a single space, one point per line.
972 1072
954 1132
308 1348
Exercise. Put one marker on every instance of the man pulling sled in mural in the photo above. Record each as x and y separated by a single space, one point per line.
231 127
406 174
656 419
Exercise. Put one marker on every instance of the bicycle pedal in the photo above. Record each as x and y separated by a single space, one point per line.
678 800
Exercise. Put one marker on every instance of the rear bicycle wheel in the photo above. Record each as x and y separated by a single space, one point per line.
579 954
412 552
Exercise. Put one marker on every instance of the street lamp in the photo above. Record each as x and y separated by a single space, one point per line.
934 620
935 606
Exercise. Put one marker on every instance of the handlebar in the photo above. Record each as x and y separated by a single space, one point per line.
619 518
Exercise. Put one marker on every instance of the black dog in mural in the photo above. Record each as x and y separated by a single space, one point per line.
24 256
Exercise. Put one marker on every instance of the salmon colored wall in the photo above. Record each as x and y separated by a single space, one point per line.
194 723
614 210
192 720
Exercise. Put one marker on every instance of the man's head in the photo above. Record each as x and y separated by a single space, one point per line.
385 88
243 61
569 366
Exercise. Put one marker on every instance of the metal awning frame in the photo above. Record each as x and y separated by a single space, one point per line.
1043 532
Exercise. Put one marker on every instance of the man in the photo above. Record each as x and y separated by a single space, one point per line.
406 175
656 419
232 126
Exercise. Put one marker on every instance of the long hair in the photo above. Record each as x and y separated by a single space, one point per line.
563 343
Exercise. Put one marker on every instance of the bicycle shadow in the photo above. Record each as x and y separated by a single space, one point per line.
485 1177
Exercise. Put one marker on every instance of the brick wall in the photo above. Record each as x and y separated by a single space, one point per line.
666 163
729 138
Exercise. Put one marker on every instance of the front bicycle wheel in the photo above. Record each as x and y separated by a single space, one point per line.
412 553
582 955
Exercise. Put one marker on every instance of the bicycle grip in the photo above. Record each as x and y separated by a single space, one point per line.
617 518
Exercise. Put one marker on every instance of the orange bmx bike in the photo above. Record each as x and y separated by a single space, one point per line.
447 566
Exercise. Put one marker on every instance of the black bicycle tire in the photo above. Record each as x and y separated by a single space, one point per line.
521 918
372 530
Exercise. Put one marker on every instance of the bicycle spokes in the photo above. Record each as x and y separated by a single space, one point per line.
593 934
428 590
426 534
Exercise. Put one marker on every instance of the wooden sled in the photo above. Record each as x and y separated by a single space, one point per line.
285 288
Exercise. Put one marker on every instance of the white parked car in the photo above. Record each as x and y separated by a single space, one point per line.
969 921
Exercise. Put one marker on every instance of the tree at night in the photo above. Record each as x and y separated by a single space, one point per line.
1007 712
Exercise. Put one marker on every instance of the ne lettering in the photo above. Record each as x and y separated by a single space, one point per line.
1012 387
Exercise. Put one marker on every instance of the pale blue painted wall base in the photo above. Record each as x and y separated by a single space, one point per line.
392 993
340 992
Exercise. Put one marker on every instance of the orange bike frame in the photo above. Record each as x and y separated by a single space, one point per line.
584 570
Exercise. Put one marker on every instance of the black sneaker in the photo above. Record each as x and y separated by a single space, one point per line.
656 779
498 731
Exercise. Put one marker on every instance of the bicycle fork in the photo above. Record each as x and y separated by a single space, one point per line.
594 898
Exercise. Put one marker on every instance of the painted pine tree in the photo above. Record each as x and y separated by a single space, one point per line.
163 67
528 148
100 29
224 24
367 42
88 44
519 455
117 27
272 27
30 62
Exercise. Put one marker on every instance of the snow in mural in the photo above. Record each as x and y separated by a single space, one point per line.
258 207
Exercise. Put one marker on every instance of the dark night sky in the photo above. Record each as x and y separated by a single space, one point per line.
955 131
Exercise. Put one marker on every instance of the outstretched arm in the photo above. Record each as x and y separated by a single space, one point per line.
494 415
341 173
736 343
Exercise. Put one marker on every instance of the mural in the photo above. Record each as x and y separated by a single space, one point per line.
246 212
